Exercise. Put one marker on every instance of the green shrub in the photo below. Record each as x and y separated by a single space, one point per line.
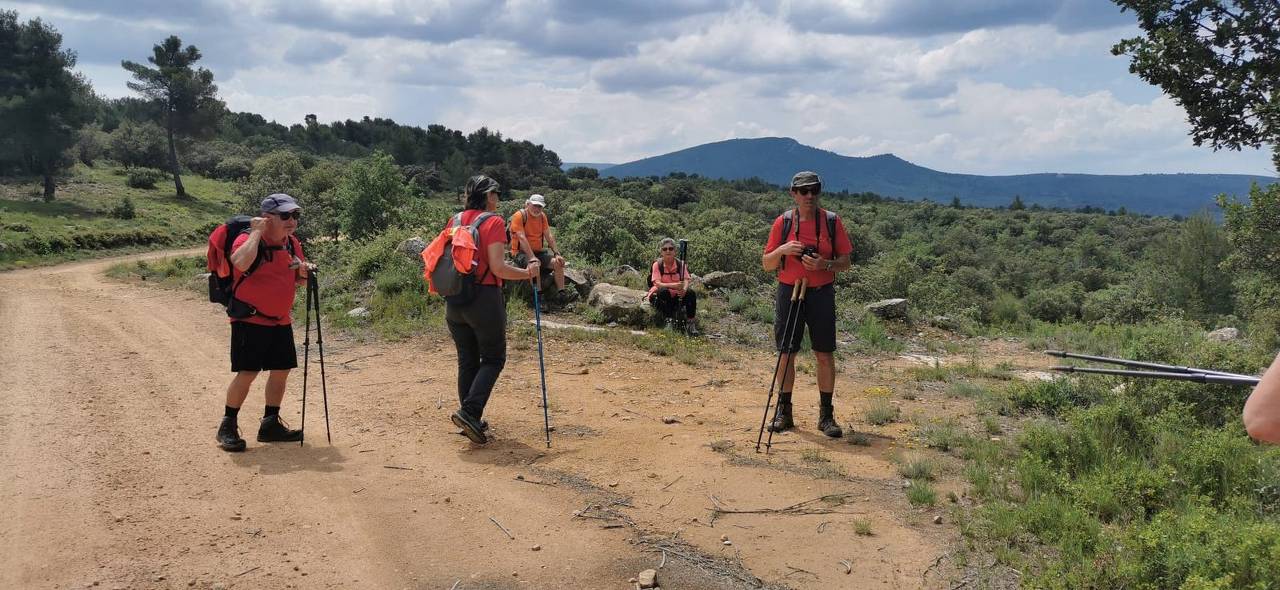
943 435
921 493
125 210
139 145
1056 304
1053 397
917 467
144 177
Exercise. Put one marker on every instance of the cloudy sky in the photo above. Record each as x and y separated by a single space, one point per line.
978 86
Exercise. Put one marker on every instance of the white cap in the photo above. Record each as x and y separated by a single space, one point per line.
536 199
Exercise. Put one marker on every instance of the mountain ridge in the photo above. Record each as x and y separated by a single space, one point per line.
775 159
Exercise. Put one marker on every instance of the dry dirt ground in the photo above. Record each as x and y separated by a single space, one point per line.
112 393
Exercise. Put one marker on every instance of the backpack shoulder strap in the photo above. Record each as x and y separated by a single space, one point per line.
479 220
831 229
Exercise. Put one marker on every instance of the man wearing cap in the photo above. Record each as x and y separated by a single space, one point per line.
807 242
268 265
530 228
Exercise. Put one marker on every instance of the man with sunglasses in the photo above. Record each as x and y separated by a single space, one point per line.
807 242
268 265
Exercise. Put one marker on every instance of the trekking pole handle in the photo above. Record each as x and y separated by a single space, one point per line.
803 284
795 290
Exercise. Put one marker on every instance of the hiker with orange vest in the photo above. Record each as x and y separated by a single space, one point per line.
267 266
469 272
531 238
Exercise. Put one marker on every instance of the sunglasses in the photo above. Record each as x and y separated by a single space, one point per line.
668 249
296 214
804 192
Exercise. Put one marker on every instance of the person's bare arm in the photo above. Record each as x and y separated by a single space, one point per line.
244 256
1262 409
507 271
770 260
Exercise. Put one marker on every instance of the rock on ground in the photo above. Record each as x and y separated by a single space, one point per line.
889 309
620 304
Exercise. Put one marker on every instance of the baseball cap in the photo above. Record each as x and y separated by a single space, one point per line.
481 184
279 203
805 178
536 199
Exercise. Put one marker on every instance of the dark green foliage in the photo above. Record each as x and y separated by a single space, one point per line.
137 144
1219 60
125 210
143 177
186 97
43 103
372 193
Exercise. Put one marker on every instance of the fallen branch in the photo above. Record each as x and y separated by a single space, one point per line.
359 358
504 529
668 503
823 525
455 584
398 467
673 482
664 559
256 567
848 566
796 570
812 506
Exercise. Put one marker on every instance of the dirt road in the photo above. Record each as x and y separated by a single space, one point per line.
112 393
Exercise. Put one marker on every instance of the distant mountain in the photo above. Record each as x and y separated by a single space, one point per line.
775 159
568 165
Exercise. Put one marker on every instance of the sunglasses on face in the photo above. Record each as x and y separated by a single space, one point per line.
668 249
296 214
804 192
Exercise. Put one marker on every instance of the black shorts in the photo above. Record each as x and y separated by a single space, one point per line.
544 257
818 312
262 348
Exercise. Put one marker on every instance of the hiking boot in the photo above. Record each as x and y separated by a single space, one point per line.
473 429
229 436
782 419
827 422
669 323
483 424
273 429
691 329
568 295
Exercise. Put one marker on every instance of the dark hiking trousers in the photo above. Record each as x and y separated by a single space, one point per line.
668 304
479 331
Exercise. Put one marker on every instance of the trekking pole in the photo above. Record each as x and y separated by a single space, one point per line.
773 382
791 358
542 369
314 286
306 357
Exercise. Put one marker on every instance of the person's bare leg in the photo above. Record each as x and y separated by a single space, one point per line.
238 390
826 371
276 381
558 267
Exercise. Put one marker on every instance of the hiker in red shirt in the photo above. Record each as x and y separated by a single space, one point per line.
669 287
479 328
268 265
807 242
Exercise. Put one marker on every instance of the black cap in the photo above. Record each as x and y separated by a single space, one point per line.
481 184
805 178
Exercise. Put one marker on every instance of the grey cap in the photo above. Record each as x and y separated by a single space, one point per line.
805 178
279 203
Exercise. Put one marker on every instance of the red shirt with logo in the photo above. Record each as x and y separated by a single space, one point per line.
492 231
793 270
270 288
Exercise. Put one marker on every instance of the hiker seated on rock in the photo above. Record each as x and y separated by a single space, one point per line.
267 266
807 242
669 288
1262 409
531 238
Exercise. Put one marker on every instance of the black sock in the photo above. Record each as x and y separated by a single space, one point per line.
784 397
825 398
271 411
231 412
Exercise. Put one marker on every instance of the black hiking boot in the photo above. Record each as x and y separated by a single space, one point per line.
229 436
782 419
827 422
273 429
472 428
568 295
691 329
483 424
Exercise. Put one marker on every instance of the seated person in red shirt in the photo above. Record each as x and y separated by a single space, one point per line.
669 287
261 325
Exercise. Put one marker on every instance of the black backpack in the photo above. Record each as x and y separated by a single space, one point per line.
831 229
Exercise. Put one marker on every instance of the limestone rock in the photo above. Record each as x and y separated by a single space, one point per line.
413 247
620 304
648 578
727 280
1223 335
889 309
359 312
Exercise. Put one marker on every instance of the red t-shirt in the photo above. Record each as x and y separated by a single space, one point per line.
794 269
493 231
271 287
